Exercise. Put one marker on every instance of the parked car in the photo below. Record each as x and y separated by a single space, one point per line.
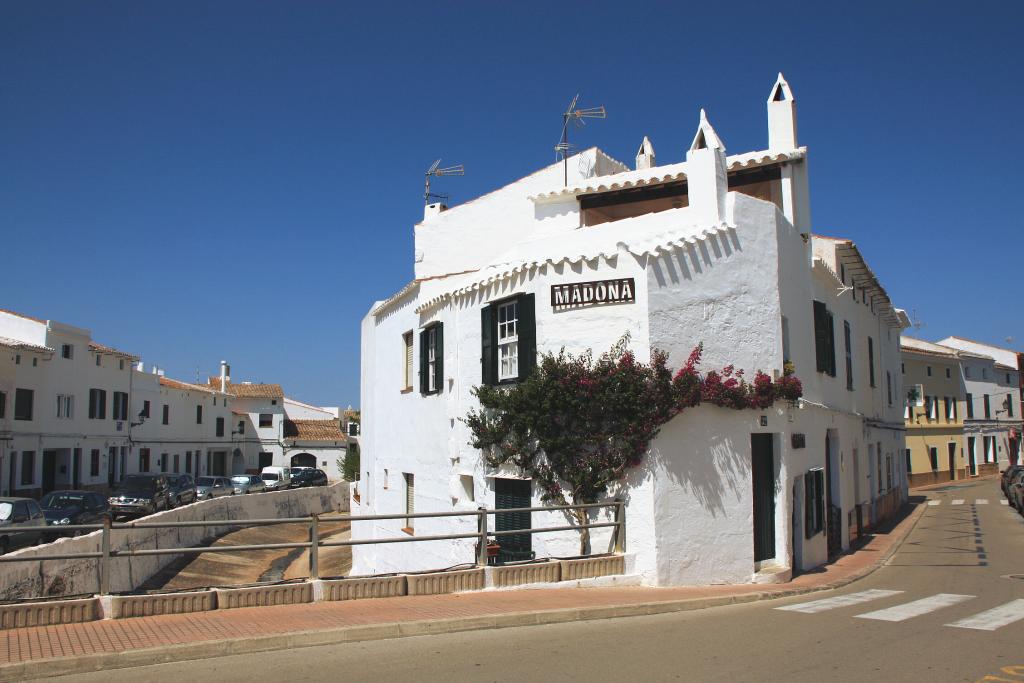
62 508
20 513
308 476
182 489
1008 474
140 494
1015 491
213 487
248 483
277 478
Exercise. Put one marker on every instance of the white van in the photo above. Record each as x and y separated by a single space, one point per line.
277 478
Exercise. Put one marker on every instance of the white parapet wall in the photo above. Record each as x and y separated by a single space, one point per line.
57 578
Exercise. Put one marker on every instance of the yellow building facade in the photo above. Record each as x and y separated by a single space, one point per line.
934 412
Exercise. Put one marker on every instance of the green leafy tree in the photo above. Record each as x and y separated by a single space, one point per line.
349 463
577 425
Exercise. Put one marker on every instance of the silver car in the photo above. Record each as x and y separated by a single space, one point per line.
213 487
20 513
248 483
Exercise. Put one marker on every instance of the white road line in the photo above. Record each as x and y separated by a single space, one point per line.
1004 502
815 606
916 608
935 502
981 501
958 501
992 619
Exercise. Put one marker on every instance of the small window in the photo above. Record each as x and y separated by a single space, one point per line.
933 457
120 364
984 373
824 339
814 502
120 405
35 361
220 427
98 360
266 420
273 402
871 360
969 400
241 426
407 361
166 414
988 407
432 359
508 341
199 415
949 373
23 400
176 463
97 404
145 409
928 369
888 386
67 351
163 462
17 359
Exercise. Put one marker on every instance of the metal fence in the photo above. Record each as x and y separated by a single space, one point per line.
106 554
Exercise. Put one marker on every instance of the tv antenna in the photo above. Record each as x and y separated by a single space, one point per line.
436 170
916 322
578 117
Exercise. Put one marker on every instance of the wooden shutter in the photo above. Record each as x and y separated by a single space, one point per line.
102 404
808 504
489 345
407 377
92 404
424 384
410 498
821 336
438 357
831 344
527 336
819 501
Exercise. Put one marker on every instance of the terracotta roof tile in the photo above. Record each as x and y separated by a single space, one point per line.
313 430
103 348
246 390
185 386
19 345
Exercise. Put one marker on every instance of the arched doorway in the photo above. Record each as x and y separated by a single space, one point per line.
304 460
237 462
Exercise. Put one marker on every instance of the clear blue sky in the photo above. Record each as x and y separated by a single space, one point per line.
198 181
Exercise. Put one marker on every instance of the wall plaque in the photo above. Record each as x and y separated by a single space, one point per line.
579 294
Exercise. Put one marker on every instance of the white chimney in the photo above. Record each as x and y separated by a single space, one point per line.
140 366
645 155
781 117
435 209
707 183
224 375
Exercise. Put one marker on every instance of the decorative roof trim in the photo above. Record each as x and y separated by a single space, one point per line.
186 386
18 345
660 175
102 348
511 271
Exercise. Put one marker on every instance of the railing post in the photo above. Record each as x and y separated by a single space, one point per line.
620 530
314 547
481 527
105 557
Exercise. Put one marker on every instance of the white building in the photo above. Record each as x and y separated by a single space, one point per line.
993 424
78 414
714 249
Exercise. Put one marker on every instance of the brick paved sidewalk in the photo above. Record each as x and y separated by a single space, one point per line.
49 650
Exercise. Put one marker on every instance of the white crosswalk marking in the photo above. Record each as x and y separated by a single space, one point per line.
916 608
981 501
992 619
816 606
1004 502
958 501
935 502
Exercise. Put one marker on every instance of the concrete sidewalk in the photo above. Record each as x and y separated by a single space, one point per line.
75 648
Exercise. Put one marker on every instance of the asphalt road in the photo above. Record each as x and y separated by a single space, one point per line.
893 625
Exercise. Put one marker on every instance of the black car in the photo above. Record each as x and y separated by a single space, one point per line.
308 476
182 489
62 508
140 494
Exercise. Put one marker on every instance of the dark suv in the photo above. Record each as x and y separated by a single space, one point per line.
140 494
182 489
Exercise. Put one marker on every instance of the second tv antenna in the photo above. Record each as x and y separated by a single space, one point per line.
577 116
436 170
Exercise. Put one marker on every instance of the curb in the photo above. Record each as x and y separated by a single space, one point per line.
63 666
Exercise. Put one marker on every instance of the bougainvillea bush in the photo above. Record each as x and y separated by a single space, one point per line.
576 425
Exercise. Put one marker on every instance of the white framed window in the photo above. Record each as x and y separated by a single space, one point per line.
410 499
407 361
508 340
67 351
65 406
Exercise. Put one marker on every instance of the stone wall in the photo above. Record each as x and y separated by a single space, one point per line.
54 578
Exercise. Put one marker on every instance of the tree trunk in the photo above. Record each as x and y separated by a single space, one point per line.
583 518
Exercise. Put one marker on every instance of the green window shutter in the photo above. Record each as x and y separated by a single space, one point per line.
424 385
527 336
488 345
831 345
820 336
808 505
439 357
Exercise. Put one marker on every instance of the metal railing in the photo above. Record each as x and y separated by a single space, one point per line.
106 553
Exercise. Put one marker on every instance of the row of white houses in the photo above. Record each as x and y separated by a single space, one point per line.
78 414
715 249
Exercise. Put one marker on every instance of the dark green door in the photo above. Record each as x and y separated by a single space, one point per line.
49 471
763 469
508 494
